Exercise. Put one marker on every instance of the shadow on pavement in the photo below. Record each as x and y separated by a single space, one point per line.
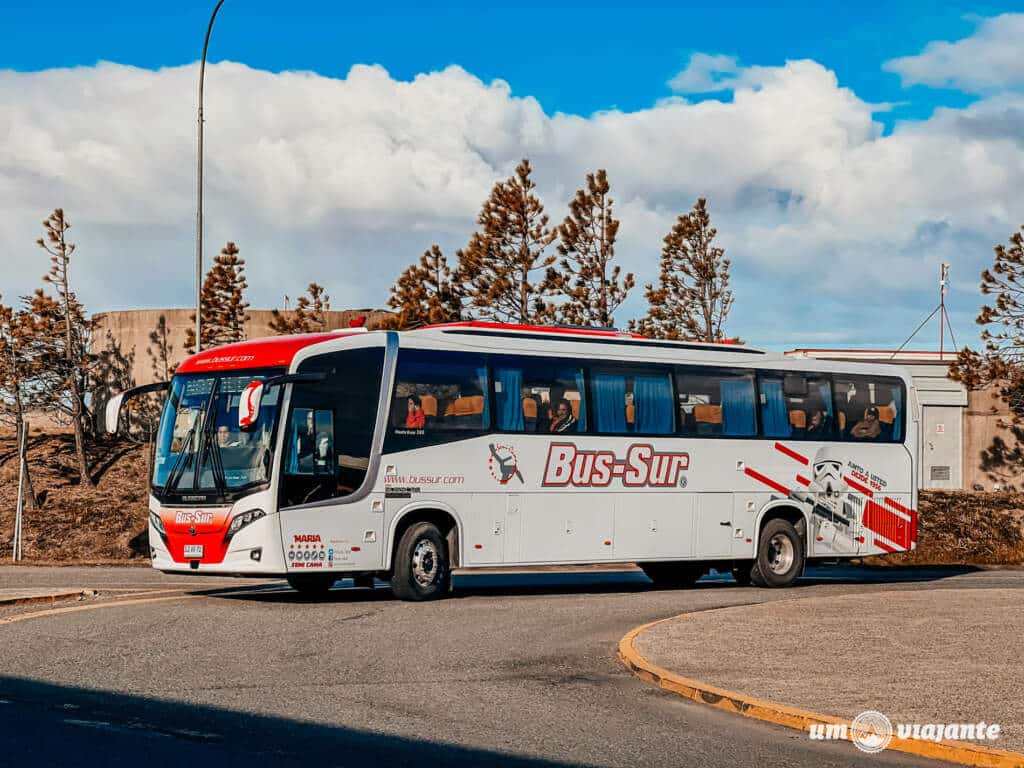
588 583
46 724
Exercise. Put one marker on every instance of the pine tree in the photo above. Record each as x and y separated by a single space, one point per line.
15 379
1001 362
222 302
161 351
693 298
426 293
63 340
309 315
587 277
510 247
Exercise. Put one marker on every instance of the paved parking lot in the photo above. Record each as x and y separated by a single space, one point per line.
515 668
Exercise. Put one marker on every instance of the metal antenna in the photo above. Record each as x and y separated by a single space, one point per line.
944 321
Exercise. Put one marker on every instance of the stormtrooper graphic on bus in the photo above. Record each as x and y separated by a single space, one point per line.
835 512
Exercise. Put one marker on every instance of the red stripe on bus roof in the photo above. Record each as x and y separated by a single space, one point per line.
269 352
485 325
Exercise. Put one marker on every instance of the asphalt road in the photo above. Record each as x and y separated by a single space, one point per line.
516 669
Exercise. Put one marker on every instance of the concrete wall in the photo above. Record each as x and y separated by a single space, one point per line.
131 328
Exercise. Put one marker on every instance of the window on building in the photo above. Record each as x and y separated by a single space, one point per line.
796 406
631 401
538 395
716 403
869 409
330 426
438 396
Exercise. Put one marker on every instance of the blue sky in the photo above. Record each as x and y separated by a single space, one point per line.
573 57
846 149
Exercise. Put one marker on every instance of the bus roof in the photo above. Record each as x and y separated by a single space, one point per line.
266 352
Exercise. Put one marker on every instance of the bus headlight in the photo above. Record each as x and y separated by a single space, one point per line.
156 522
238 522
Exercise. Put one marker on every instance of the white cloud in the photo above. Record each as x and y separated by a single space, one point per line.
835 231
989 59
707 73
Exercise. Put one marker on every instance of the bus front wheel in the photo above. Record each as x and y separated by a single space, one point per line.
780 555
422 569
312 584
675 575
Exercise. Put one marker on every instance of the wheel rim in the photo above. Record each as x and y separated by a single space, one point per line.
780 554
425 562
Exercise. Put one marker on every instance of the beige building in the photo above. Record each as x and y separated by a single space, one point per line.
130 330
963 444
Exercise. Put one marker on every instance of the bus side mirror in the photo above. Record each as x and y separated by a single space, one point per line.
112 413
249 405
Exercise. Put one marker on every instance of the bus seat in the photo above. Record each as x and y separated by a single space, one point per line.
529 414
466 409
529 408
630 414
429 404
708 419
798 419
575 405
886 414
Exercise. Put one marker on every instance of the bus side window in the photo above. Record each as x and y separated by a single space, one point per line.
716 403
438 396
869 409
538 395
796 406
637 402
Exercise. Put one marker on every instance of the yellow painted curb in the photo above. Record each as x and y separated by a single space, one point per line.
794 717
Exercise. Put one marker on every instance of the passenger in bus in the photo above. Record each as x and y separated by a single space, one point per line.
563 420
415 417
224 438
867 428
817 424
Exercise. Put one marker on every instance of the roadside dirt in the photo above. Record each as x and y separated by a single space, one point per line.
75 523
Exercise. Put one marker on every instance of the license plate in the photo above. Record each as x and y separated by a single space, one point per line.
193 551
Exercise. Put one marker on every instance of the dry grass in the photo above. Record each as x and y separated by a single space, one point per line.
74 523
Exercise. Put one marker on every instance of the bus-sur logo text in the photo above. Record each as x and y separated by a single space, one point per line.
641 466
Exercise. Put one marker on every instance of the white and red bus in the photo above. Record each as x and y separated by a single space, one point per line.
405 455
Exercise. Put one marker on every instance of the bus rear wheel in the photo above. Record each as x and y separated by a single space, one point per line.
673 575
780 555
422 569
312 584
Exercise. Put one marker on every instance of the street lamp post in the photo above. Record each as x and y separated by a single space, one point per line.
199 186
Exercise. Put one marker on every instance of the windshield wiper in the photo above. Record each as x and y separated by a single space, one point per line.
175 475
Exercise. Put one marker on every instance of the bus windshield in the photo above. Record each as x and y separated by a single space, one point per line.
200 449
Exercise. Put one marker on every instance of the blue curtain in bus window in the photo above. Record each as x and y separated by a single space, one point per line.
577 375
826 398
609 395
485 417
738 416
652 396
509 383
774 417
897 432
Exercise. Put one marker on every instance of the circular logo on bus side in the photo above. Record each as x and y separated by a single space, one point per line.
504 464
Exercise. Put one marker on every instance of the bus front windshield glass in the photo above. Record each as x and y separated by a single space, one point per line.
199 446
